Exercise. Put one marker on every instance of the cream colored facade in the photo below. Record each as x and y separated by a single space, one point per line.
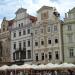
5 41
69 36
47 43
21 38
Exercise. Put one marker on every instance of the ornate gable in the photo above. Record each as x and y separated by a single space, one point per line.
20 10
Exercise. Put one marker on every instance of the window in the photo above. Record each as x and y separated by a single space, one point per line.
56 40
55 28
19 33
1 49
36 55
29 54
13 56
42 30
42 54
3 29
71 52
14 34
36 43
49 41
24 32
17 55
21 24
24 44
70 39
23 55
69 27
14 45
50 55
19 45
44 15
4 26
28 42
56 55
48 29
28 31
42 42
35 31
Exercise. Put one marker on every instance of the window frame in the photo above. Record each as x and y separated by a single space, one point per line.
71 52
42 56
29 54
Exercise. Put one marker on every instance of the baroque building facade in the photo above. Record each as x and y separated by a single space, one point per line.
21 37
47 40
38 40
5 40
69 36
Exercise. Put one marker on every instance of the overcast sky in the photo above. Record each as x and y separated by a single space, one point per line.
9 7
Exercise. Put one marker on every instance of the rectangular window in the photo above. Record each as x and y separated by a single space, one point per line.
14 45
42 56
36 55
17 55
42 31
28 42
56 55
14 34
55 28
24 32
35 31
69 27
23 55
36 43
71 52
49 41
19 33
42 42
50 55
20 45
24 44
13 56
48 29
28 31
70 39
29 54
21 24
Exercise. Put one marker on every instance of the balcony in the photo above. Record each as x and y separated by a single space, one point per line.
19 54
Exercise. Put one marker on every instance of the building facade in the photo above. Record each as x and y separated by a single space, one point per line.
21 37
69 36
38 40
47 43
5 40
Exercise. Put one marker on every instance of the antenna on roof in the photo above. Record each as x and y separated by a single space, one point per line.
20 3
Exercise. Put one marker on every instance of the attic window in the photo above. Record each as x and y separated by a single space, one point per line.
44 15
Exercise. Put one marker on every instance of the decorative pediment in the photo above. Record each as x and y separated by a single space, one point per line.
44 7
20 10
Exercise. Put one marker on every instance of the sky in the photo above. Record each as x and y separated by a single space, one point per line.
9 7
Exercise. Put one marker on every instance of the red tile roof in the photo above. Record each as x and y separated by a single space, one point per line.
33 19
11 22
